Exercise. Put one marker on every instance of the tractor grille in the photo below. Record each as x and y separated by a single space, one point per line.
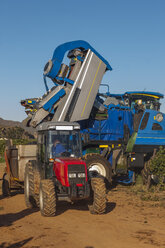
76 168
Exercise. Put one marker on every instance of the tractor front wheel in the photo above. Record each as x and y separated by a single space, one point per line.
98 196
47 197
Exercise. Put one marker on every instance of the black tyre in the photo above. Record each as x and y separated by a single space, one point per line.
47 198
6 185
98 188
98 166
31 186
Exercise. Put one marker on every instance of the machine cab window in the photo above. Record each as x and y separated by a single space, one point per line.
63 143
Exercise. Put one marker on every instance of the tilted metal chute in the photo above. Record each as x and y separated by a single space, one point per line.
76 85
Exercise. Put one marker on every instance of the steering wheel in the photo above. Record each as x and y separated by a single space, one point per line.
65 154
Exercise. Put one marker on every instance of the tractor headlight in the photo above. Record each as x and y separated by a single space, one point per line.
80 175
159 117
72 175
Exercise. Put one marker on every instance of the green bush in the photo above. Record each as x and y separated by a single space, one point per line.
157 165
2 149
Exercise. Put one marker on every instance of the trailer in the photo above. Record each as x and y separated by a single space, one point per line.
16 158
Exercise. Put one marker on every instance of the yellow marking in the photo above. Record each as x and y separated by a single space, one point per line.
146 95
119 144
29 101
131 159
103 146
16 179
91 89
32 110
113 145
154 117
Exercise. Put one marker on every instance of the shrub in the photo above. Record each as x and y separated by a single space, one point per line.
157 165
2 148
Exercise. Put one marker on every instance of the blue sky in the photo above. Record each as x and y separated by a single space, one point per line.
130 34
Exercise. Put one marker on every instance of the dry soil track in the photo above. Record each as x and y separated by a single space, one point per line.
128 223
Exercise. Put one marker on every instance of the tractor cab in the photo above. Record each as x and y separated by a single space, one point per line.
57 141
149 100
133 100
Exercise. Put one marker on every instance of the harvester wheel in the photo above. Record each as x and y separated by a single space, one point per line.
98 196
31 197
47 198
98 166
5 185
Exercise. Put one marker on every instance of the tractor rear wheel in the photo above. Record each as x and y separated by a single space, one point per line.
6 185
31 176
98 166
47 198
98 196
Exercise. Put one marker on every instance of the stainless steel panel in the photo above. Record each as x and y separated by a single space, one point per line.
75 85
25 153
38 117
89 89
86 86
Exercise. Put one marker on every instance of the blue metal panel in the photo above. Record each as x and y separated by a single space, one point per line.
126 179
149 136
65 79
31 102
152 140
62 49
111 129
48 106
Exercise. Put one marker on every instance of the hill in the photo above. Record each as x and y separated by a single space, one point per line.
15 130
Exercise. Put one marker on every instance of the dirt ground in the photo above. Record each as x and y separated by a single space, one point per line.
129 222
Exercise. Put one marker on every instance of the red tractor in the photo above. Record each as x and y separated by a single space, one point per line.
59 173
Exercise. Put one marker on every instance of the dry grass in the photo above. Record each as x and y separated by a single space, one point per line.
154 194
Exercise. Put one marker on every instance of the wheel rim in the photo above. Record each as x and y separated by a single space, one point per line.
97 169
41 200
